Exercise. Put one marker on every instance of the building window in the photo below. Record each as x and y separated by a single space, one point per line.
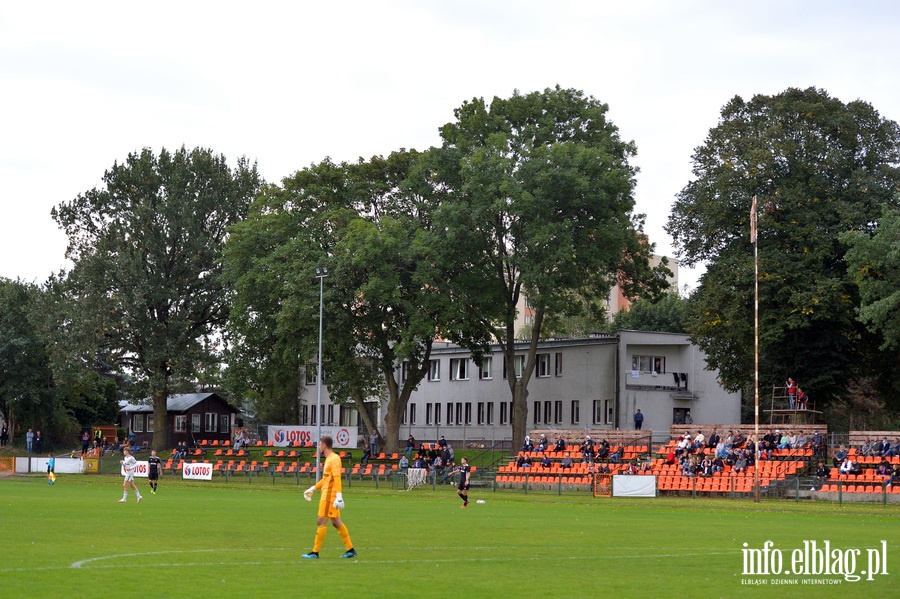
403 415
543 365
481 413
548 412
459 369
490 414
437 413
468 413
404 371
609 411
211 422
518 366
181 423
459 412
504 415
557 412
151 420
311 370
429 414
649 364
434 370
195 423
304 414
598 412
330 414
312 415
137 423
485 370
412 414
576 411
557 368
537 412
348 416
224 422
450 413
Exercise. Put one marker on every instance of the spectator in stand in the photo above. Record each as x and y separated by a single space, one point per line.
638 420
373 443
738 439
603 450
817 444
791 388
29 440
683 447
699 441
528 445
437 467
442 442
367 455
884 448
802 399
402 465
545 461
840 456
895 475
85 443
846 466
542 443
740 464
866 448
801 441
721 449
567 461
410 446
587 450
560 445
822 473
670 457
713 440
719 464
785 441
707 468
895 448
617 455
884 468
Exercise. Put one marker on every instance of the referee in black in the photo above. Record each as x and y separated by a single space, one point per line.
463 488
153 471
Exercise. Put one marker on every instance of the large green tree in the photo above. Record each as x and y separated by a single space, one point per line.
818 167
534 196
147 252
383 305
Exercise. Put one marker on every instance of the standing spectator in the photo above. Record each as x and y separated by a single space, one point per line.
4 435
85 443
38 442
791 387
373 443
29 440
638 420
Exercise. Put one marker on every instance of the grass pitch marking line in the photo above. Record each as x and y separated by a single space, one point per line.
80 563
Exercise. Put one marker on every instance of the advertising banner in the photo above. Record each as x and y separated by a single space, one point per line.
284 436
197 471
625 485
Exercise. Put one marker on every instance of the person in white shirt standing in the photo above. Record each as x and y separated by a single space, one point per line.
128 465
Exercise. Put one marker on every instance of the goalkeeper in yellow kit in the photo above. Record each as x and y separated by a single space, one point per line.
331 503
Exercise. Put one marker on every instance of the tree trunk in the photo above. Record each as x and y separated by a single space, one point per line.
367 419
161 425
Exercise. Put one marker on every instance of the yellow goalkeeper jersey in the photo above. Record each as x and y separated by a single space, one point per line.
330 485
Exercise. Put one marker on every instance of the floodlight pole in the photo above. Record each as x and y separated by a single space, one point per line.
753 240
321 273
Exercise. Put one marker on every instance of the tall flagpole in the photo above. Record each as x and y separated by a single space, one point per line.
755 349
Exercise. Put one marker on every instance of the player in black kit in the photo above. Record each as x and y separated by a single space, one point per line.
154 464
463 489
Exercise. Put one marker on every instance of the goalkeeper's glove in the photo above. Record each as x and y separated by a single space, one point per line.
307 494
339 502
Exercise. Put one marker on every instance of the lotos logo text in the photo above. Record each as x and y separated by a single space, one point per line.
279 436
198 471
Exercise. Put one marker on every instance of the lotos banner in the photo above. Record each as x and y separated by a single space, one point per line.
285 436
141 469
197 471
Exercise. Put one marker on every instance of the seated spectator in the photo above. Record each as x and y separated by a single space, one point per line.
802 399
866 447
822 473
647 466
670 457
785 441
366 455
740 465
846 466
683 447
801 441
699 441
437 468
884 449
895 476
567 461
528 445
719 464
630 469
817 443
542 443
895 448
587 450
713 440
738 440
603 450
410 446
839 457
721 450
449 470
617 455
884 468
419 462
603 469
545 461
560 445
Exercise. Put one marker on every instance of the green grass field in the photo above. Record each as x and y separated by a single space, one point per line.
208 539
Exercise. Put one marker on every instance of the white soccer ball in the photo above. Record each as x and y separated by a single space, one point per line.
481 501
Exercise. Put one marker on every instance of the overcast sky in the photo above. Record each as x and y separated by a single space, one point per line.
287 84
